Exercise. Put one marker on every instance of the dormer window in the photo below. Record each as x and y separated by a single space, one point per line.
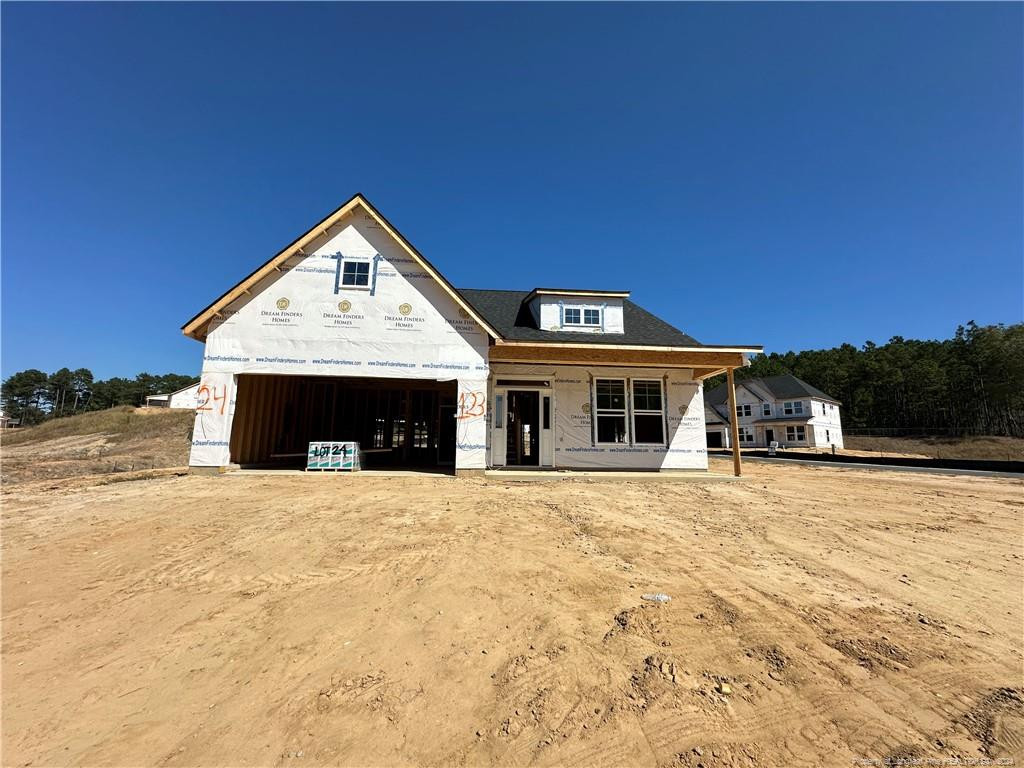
576 311
581 316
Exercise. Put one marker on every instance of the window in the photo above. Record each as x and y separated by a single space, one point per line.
578 316
610 399
746 435
766 409
499 414
648 413
743 410
828 437
356 273
793 407
795 434
546 418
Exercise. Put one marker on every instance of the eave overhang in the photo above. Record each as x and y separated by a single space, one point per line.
704 360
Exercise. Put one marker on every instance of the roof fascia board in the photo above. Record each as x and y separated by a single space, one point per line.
642 347
569 292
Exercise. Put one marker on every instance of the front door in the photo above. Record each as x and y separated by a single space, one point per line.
769 436
522 429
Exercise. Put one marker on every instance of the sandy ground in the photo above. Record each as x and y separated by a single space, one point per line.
818 617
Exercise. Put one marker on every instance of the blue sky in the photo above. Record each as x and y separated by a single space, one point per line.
796 176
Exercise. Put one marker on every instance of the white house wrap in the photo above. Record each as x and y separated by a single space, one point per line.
350 334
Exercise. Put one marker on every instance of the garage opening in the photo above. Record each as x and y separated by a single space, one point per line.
398 423
714 439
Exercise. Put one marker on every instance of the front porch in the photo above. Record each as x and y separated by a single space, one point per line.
626 408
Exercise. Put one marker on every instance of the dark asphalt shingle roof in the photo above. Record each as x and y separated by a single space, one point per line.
784 387
507 314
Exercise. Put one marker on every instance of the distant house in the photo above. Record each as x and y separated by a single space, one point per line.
782 409
186 398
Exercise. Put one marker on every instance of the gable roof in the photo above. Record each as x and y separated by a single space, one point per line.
509 315
710 410
785 386
196 325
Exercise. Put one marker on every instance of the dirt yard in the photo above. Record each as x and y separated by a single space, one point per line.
818 617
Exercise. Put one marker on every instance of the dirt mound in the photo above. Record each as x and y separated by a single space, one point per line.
122 439
641 621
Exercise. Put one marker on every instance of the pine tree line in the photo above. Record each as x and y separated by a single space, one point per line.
33 396
971 384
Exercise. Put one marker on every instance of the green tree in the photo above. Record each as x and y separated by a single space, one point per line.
972 383
22 393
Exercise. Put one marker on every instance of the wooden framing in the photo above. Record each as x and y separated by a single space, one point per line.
196 327
276 415
708 360
734 427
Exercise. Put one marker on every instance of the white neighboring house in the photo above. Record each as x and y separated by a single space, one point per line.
783 409
186 399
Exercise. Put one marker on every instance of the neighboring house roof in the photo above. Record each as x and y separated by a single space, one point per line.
784 387
717 396
508 313
723 418
175 392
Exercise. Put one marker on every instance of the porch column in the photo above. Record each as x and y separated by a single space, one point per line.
734 427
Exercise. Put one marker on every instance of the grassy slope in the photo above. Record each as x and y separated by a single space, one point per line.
97 442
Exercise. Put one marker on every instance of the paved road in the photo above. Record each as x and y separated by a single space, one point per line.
885 467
